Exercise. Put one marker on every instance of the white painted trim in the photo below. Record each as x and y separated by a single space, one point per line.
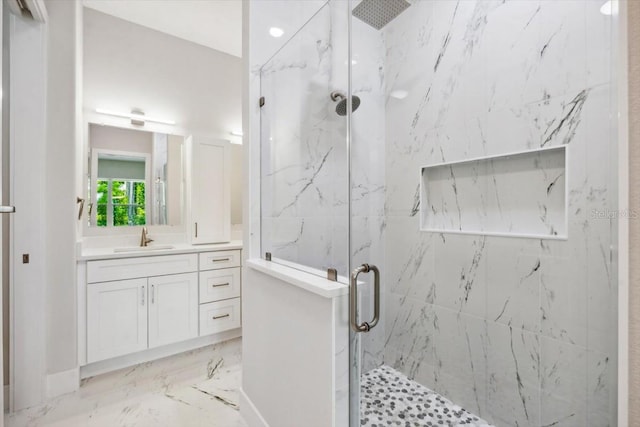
495 156
301 279
116 363
62 383
249 412
496 234
623 205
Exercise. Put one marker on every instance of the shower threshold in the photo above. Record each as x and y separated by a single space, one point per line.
389 398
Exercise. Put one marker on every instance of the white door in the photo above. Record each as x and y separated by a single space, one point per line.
210 191
173 308
116 318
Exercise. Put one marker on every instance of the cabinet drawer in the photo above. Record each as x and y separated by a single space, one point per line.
219 284
131 268
219 259
219 316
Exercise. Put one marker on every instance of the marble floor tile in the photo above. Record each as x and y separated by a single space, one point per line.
192 389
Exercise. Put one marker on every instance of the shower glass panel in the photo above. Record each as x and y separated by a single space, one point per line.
304 170
478 326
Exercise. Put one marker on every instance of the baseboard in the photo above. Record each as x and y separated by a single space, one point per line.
109 365
62 383
249 412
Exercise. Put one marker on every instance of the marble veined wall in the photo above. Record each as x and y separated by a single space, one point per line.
520 331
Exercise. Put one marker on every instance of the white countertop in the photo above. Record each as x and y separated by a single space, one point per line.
307 281
88 254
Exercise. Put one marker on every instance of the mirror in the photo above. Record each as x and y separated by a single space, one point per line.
136 177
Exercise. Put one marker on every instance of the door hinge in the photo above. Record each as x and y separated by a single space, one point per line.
261 102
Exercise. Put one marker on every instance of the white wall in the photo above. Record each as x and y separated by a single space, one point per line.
236 184
59 190
119 139
129 66
294 346
43 188
28 143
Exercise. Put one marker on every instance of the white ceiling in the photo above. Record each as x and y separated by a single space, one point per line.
212 23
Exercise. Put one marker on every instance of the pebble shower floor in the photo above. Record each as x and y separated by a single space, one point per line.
389 398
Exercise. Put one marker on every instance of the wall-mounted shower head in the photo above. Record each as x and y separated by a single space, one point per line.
341 108
379 13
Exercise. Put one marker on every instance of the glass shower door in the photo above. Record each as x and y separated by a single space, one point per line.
482 178
304 168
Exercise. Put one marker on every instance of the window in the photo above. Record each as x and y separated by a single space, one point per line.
120 202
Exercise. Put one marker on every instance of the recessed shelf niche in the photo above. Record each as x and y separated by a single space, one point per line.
521 194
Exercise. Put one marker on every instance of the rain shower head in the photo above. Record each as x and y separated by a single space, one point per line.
379 13
341 108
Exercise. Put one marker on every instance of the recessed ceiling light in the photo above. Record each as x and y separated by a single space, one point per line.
276 32
399 94
609 8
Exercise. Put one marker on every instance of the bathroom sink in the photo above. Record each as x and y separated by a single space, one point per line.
143 248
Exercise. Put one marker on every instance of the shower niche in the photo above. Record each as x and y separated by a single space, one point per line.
521 194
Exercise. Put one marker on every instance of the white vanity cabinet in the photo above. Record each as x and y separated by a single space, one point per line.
131 309
209 189
219 291
173 302
143 303
116 318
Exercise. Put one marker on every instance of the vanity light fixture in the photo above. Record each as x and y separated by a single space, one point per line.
276 32
137 117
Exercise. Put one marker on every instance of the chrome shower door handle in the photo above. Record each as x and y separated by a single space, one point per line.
353 298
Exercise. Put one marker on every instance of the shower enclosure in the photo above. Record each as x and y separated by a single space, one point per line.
461 154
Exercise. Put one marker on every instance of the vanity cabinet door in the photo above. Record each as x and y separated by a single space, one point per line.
116 318
173 308
210 190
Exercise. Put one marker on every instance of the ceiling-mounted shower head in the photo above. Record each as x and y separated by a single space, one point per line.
379 13
341 108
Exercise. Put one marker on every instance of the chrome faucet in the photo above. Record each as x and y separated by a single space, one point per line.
144 240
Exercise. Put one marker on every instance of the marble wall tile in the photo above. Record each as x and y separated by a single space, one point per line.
514 268
410 259
601 390
486 78
461 273
513 368
461 358
563 383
